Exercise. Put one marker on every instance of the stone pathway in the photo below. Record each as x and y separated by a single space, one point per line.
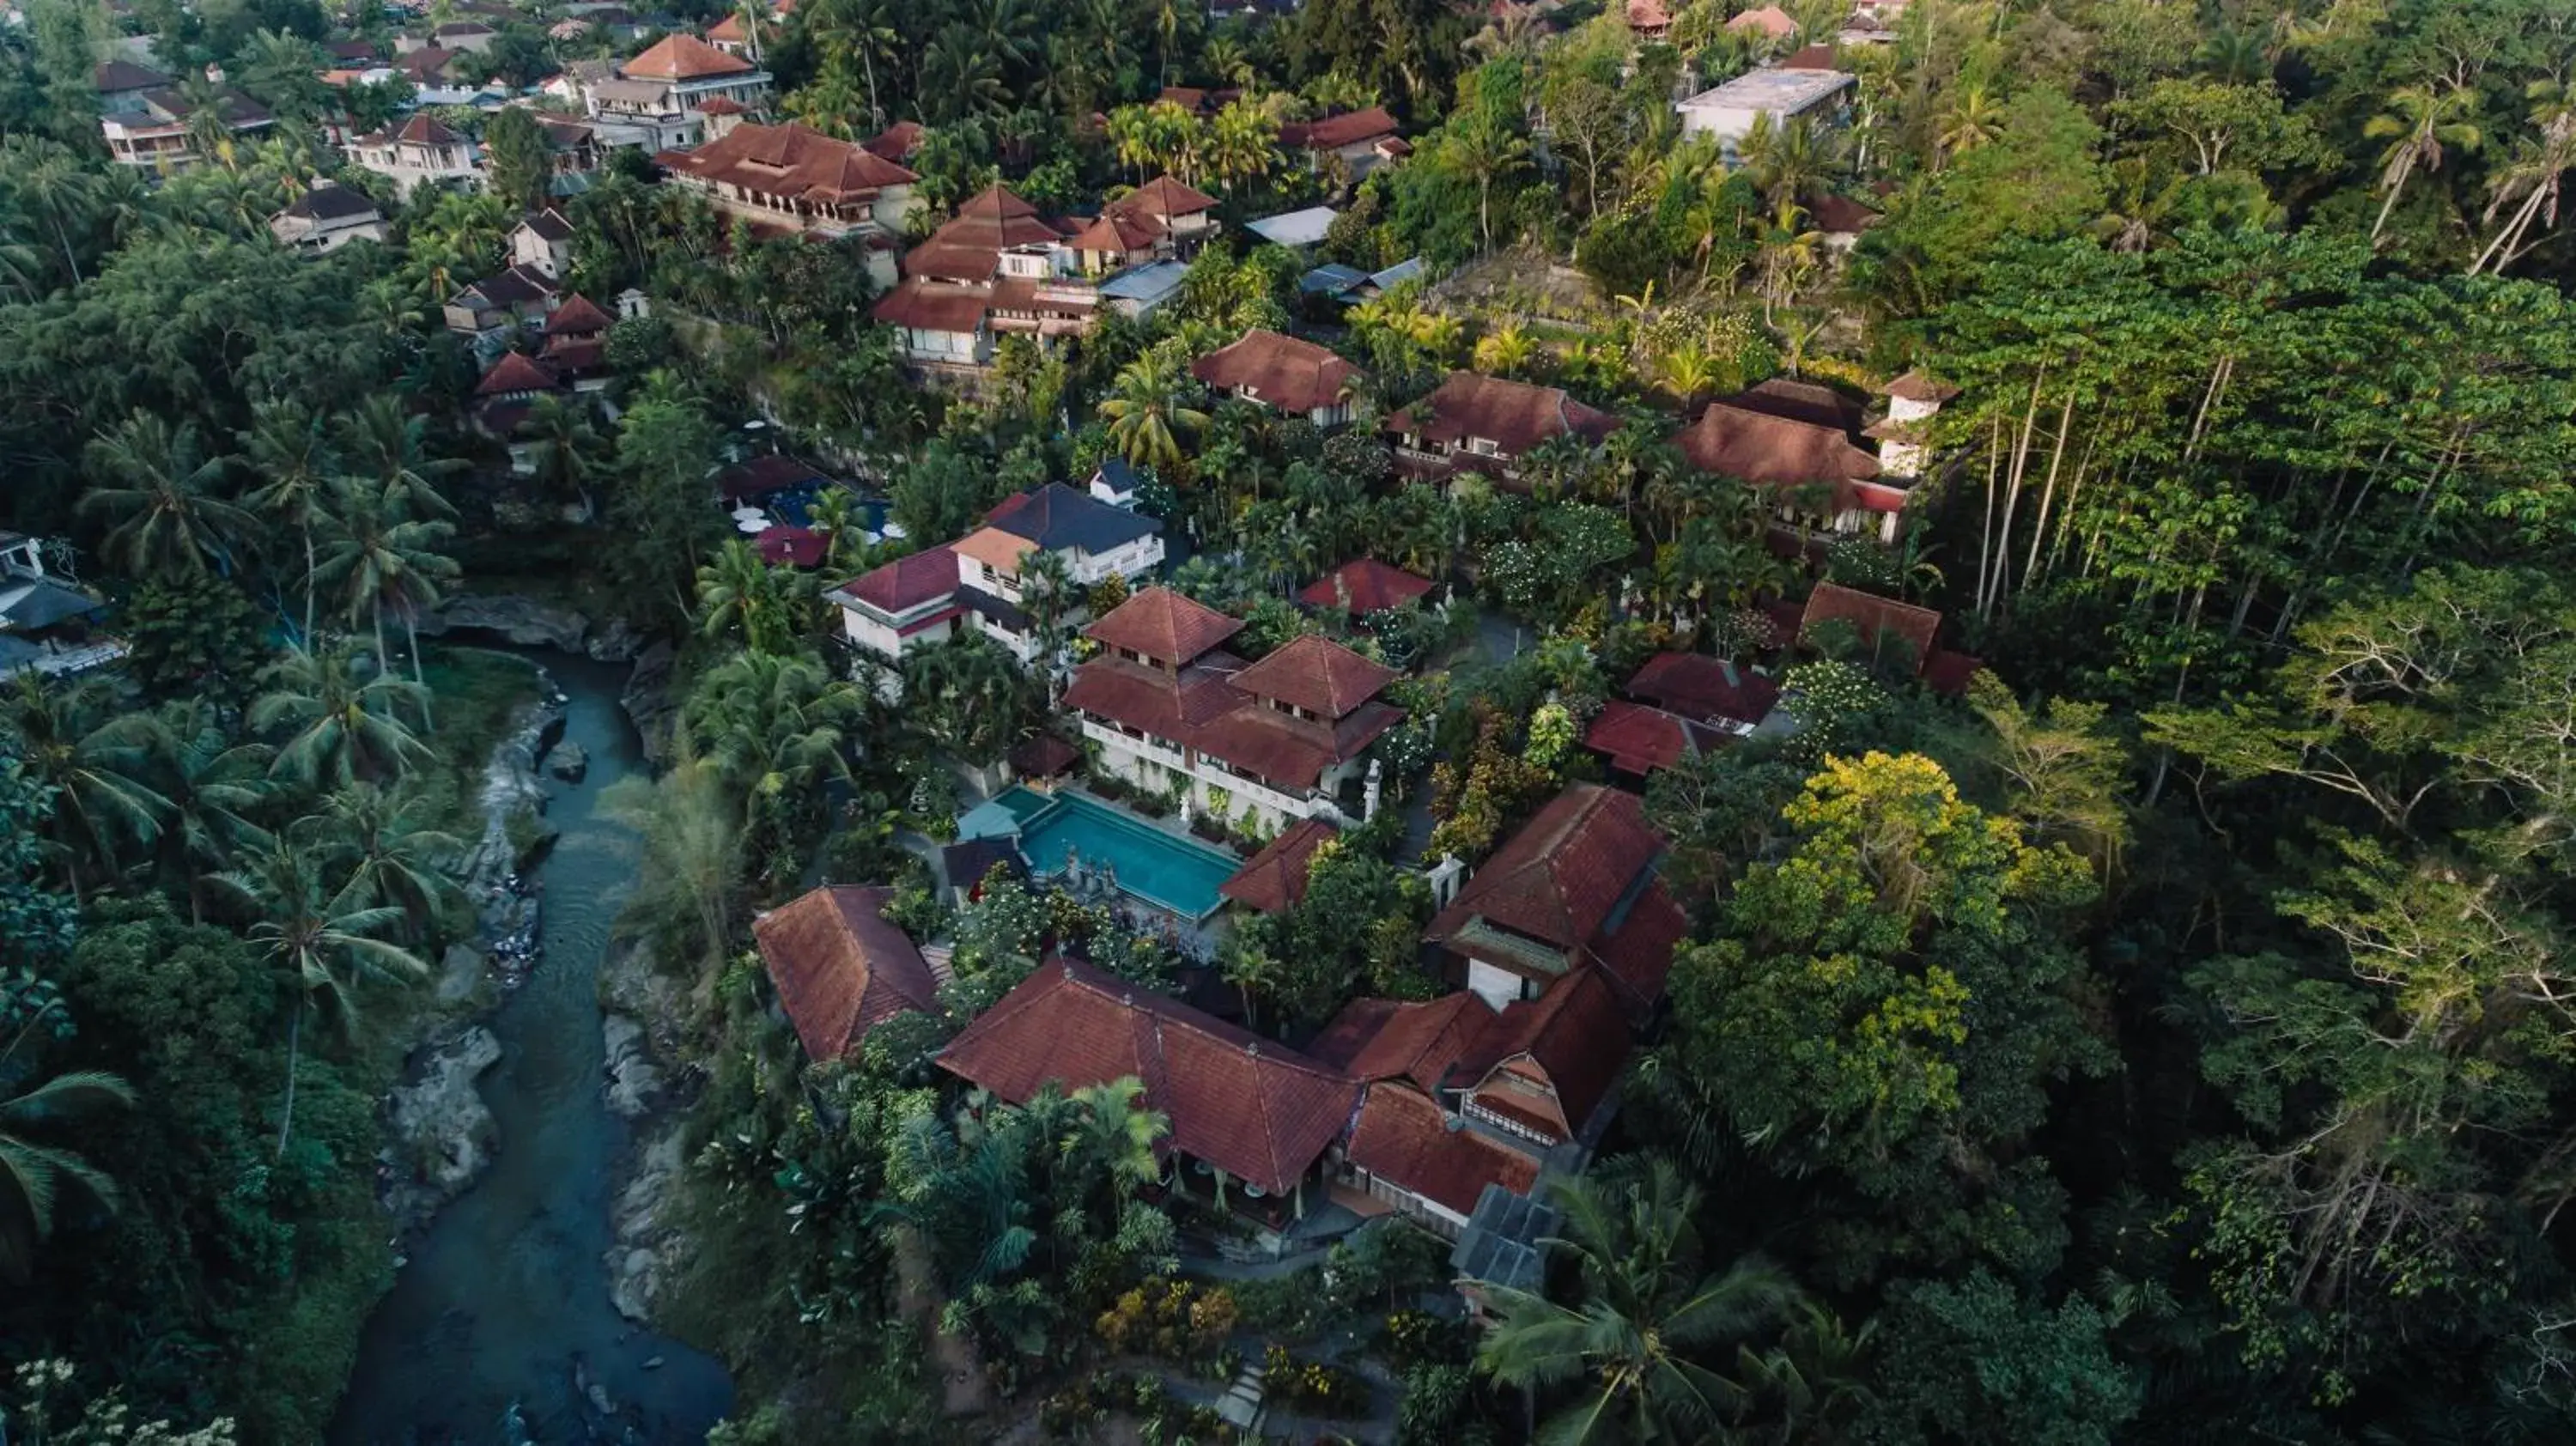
964 1389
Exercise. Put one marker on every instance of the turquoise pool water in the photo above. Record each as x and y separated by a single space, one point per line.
1155 866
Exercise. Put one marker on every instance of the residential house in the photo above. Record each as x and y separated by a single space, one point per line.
1729 112
1347 146
506 395
898 143
1769 22
147 125
422 151
1115 482
1841 220
1885 627
1575 888
1711 691
1275 741
1300 230
1638 739
996 259
794 178
1649 19
1175 220
46 623
1363 586
1904 435
327 217
1283 374
470 37
1249 1116
1795 441
576 343
656 100
518 297
542 243
1472 422
574 149
840 967
430 65
979 582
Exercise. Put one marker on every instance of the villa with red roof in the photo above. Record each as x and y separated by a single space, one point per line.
795 178
1364 585
1283 374
658 99
1473 422
1278 740
423 151
1358 142
1798 442
840 967
999 268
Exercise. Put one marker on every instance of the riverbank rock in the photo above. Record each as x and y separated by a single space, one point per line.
460 973
633 1079
521 620
641 1259
443 1134
567 761
613 642
648 700
512 789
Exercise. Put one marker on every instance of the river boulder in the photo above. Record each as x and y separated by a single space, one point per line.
633 1079
648 700
567 761
521 620
443 1134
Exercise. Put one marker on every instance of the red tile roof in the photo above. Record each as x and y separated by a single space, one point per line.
840 967
1406 1140
728 29
934 306
1561 877
1768 450
896 142
1811 57
1874 618
1514 416
1163 198
516 372
722 105
1638 952
1640 739
1115 233
424 129
791 162
1164 625
1274 880
1447 1043
1255 1109
969 246
1318 675
1364 585
763 475
1841 215
1277 371
683 57
1696 685
906 583
577 315
1336 131
1575 1035
793 547
1771 20
1948 673
1201 708
1918 386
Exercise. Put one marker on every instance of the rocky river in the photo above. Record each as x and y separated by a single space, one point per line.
504 1324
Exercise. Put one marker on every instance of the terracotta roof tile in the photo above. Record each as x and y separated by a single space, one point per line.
1274 880
1640 739
1336 131
684 57
1874 618
840 967
1918 386
1696 685
577 315
1770 20
896 142
1446 1043
1316 674
1515 416
1163 625
516 372
1365 585
1278 371
1258 1110
907 582
1638 948
1562 876
1406 1140
1767 450
1576 1035
1163 198
933 306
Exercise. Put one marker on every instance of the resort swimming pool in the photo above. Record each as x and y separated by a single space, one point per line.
1162 869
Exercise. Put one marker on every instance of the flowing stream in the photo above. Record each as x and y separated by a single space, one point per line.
505 1303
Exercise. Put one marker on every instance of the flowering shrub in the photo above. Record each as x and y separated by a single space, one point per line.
1311 1388
1173 1319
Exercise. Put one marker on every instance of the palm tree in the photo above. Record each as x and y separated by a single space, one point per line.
379 556
1647 1302
49 180
380 439
396 858
1973 120
2418 123
286 448
1148 412
1489 151
323 947
1790 253
737 592
775 724
338 728
2531 183
32 1174
68 745
1116 1135
211 787
209 122
159 488
1507 350
561 444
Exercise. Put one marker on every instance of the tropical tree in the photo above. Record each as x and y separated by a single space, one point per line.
158 488
739 593
2530 183
1973 119
1507 350
67 744
338 728
562 445
323 946
1649 1305
1149 412
395 855
968 695
776 724
2418 124
33 1173
211 788
380 555
289 453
